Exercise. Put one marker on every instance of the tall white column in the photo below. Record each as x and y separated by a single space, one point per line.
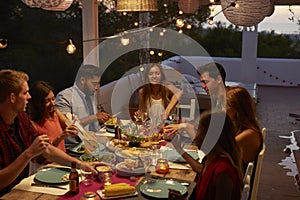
249 55
90 32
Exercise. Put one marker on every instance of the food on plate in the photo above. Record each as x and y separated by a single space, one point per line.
65 177
146 144
81 149
119 143
118 189
131 152
88 158
130 164
112 121
104 168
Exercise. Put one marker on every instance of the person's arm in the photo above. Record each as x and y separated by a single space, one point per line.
196 166
173 128
60 157
12 171
224 187
177 93
69 130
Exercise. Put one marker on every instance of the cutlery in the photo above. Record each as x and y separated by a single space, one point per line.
53 186
116 114
152 190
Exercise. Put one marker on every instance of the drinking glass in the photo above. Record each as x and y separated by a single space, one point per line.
146 159
87 176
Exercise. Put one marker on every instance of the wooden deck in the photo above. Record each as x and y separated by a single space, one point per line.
273 108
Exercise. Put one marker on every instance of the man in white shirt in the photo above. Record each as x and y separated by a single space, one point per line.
80 99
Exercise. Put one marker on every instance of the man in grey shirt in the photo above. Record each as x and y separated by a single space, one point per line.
80 99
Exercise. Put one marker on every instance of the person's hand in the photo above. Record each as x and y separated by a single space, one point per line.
171 129
103 117
39 145
70 130
92 165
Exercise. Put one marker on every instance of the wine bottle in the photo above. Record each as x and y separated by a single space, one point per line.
74 179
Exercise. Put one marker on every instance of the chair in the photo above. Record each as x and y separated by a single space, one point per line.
191 107
258 165
247 181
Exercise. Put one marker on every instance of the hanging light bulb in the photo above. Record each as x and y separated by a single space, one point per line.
151 52
3 43
142 68
71 49
180 31
160 54
210 21
180 12
135 23
179 23
189 26
125 41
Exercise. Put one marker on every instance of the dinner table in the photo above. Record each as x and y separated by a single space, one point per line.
180 173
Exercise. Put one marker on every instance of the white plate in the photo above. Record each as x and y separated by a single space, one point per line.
100 192
126 172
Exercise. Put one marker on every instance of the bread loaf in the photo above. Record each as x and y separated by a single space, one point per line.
118 189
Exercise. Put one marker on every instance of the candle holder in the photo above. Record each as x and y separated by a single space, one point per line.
162 166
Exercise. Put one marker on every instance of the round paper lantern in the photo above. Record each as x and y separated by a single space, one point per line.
247 13
53 5
188 6
136 5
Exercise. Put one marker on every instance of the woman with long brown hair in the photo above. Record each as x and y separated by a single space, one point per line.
240 108
220 174
157 97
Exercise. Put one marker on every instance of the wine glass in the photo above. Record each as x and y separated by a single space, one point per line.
146 159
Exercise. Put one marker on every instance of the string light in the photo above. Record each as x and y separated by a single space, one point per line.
179 23
151 52
210 20
71 48
125 41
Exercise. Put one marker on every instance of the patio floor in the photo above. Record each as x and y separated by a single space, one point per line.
273 108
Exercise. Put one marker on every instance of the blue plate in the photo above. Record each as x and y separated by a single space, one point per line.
52 175
160 188
173 156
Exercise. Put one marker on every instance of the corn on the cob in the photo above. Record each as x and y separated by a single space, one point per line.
118 189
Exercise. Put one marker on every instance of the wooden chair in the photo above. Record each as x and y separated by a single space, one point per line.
247 181
258 165
191 107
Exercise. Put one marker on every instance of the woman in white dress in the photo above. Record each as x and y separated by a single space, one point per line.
157 97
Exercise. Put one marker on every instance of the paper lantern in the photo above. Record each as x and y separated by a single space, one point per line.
53 5
188 6
247 13
136 5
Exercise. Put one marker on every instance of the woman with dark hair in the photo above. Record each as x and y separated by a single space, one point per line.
45 117
220 174
240 108
157 97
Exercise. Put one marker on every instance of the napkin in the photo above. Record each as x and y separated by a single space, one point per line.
173 165
25 184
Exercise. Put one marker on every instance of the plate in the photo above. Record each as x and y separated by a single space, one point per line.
173 156
77 148
103 156
160 188
52 175
100 193
127 172
131 153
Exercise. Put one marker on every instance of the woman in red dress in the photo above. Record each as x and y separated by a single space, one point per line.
220 173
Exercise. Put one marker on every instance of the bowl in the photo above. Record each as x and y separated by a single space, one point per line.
104 156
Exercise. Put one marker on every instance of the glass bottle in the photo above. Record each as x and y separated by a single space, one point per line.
74 179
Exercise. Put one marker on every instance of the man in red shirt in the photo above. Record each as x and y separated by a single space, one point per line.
19 141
